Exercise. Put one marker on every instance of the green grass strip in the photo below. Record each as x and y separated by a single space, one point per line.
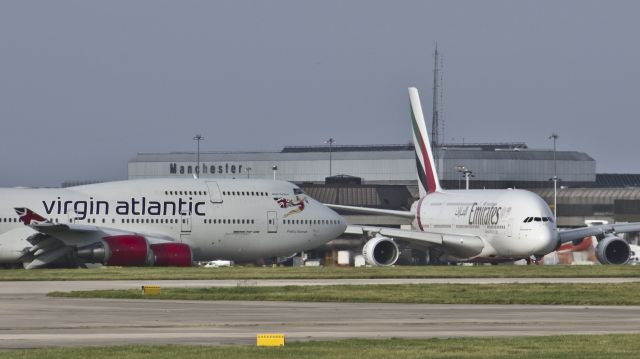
569 294
550 347
159 273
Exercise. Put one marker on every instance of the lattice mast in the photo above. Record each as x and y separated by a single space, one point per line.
437 96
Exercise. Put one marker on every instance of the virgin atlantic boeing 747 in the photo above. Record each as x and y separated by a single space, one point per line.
161 222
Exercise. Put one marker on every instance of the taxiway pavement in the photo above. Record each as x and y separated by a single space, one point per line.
43 287
30 319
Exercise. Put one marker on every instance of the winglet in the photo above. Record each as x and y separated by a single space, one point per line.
428 181
28 216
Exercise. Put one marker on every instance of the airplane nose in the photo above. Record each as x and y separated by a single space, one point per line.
546 241
339 223
342 224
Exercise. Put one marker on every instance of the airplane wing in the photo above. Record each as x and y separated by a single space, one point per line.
53 241
81 233
599 230
390 212
462 246
458 245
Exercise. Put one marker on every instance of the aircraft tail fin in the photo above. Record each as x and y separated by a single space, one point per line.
428 181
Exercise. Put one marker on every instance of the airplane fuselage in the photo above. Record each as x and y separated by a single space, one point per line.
496 216
231 219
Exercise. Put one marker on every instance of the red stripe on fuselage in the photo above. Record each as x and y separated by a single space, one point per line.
418 219
428 166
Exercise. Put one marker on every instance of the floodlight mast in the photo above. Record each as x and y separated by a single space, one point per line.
554 137
198 138
330 141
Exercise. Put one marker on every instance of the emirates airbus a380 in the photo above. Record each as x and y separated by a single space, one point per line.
161 222
477 225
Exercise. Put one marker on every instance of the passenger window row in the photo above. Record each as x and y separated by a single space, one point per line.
244 193
130 220
152 220
229 221
185 193
122 220
11 220
310 221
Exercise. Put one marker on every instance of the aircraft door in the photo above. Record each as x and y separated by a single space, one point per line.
214 192
185 223
272 222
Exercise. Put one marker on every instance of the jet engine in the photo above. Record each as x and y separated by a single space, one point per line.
134 250
613 250
171 255
380 251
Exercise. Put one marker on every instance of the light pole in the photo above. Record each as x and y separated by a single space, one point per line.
274 168
248 172
330 141
555 136
460 168
198 138
466 173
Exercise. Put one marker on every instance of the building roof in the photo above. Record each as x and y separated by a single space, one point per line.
588 195
535 155
403 147
347 148
617 180
499 151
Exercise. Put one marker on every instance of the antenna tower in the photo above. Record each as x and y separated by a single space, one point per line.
437 96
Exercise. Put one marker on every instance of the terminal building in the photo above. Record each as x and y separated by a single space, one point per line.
492 165
384 176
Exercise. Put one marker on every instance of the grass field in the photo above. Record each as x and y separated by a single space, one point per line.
158 273
577 346
567 294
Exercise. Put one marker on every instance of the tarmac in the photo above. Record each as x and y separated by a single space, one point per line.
30 319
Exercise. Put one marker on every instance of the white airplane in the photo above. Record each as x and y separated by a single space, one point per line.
161 222
477 225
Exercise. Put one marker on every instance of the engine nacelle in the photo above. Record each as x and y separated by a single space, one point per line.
171 255
126 250
380 251
133 250
613 250
123 250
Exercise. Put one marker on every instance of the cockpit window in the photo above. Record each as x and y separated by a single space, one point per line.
538 219
297 191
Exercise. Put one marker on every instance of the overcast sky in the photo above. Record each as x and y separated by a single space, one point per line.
85 85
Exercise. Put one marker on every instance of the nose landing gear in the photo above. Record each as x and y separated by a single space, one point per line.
534 260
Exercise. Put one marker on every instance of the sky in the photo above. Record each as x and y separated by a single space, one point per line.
85 85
